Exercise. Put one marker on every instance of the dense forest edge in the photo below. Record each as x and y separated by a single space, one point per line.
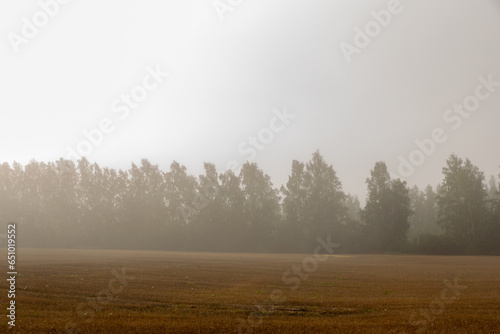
64 204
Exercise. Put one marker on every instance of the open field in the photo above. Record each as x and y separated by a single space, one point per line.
166 292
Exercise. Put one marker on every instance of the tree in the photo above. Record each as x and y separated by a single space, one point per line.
233 204
211 229
498 197
493 188
294 209
353 207
90 197
13 193
493 193
430 211
399 211
261 208
491 240
417 220
65 177
314 201
325 198
462 200
424 207
147 204
27 190
183 204
387 210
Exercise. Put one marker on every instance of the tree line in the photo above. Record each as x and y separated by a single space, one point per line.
66 204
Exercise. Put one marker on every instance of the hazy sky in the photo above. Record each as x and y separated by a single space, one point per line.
233 65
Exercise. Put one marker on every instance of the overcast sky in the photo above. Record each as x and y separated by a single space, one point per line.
233 68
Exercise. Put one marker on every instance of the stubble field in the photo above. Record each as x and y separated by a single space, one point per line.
102 291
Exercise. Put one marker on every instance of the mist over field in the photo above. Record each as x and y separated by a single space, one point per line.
265 166
83 205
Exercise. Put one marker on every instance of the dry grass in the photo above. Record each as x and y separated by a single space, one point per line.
207 293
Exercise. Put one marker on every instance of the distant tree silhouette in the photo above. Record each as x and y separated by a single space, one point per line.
387 210
261 207
67 204
462 200
313 202
424 207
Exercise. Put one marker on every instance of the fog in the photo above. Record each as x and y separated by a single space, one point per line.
227 76
250 166
250 82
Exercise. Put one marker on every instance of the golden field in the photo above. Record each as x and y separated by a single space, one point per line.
104 291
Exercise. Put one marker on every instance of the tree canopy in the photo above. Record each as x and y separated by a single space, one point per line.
68 204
